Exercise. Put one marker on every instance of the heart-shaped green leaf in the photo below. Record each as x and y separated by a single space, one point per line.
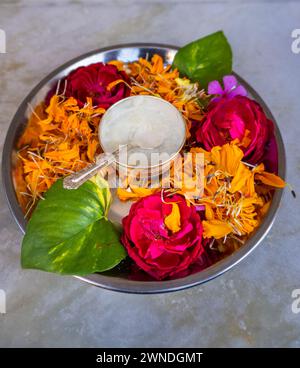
205 60
68 232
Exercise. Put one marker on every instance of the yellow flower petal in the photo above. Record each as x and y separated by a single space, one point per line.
240 179
215 228
114 83
209 213
227 158
134 193
117 63
172 221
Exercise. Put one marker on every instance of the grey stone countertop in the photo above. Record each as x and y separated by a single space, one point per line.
251 305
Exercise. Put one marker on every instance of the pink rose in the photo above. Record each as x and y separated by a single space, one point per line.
156 249
93 81
242 118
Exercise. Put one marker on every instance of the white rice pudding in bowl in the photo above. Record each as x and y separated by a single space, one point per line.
152 129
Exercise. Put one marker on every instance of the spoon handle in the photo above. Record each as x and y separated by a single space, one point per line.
75 180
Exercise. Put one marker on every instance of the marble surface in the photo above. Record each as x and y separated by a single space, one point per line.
249 306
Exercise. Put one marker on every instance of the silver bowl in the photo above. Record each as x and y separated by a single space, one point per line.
119 282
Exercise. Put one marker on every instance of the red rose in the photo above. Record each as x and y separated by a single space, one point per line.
242 118
153 246
93 81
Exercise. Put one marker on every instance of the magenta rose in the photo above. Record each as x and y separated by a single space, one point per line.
93 81
240 118
156 249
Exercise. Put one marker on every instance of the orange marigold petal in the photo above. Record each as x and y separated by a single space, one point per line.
172 221
216 229
134 193
117 63
270 179
114 83
227 158
209 213
242 176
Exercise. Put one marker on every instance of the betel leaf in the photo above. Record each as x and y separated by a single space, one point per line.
205 60
103 192
68 232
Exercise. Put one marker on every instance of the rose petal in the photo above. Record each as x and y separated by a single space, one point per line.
237 128
150 245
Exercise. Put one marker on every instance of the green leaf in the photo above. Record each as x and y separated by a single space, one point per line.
103 192
205 60
69 234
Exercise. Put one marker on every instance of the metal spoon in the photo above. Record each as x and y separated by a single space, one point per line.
75 180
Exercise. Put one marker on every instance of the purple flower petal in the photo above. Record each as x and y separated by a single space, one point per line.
214 88
200 208
229 82
231 88
238 91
